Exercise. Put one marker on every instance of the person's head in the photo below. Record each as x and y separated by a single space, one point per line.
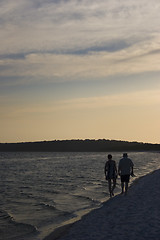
125 155
109 156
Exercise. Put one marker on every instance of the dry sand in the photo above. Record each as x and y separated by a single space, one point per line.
135 216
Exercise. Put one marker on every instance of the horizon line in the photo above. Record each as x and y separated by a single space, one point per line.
78 139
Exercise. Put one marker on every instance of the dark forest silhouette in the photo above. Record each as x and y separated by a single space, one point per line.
101 145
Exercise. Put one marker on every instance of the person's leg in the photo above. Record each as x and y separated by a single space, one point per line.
110 187
114 185
122 185
126 187
126 183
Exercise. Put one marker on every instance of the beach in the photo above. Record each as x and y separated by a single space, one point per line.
132 216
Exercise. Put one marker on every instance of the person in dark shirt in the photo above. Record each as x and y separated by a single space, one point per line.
110 171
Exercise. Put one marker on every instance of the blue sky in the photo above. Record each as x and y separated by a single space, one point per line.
80 69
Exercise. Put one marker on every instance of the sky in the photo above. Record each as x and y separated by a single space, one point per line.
76 69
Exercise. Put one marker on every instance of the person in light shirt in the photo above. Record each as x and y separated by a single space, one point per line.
125 170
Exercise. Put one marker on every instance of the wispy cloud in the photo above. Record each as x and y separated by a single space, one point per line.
63 48
64 67
60 40
139 99
72 25
136 99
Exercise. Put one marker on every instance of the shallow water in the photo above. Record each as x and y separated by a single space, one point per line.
41 191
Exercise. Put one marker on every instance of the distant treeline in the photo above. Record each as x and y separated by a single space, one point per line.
101 145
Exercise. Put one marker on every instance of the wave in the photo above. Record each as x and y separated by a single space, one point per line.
36 196
52 207
5 215
51 191
11 229
46 205
28 227
87 198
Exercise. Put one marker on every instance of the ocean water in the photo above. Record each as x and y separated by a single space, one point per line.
42 191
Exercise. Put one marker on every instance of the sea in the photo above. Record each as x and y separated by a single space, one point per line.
41 191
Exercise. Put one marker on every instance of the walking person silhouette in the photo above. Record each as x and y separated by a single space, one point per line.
125 169
110 171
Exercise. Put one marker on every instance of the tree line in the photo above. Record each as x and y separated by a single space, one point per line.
87 145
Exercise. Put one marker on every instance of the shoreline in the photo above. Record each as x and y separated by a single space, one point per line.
65 231
59 232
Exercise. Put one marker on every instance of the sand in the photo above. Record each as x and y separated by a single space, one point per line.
135 216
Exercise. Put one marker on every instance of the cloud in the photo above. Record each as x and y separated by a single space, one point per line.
51 48
139 99
37 67
135 99
73 25
72 39
110 46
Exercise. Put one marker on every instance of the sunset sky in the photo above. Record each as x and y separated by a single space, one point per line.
76 69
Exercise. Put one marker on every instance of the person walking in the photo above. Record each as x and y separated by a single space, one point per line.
110 171
125 170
